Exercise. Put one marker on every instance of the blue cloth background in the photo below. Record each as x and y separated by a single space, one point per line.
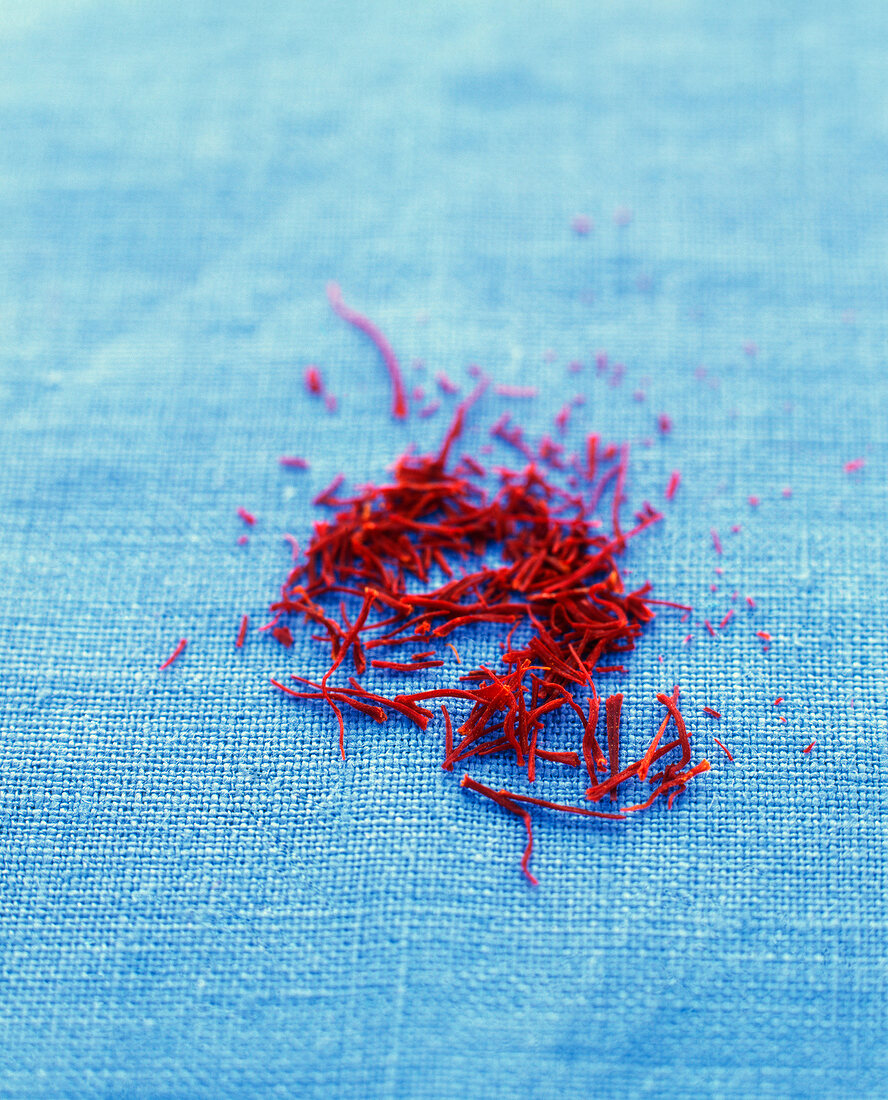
198 898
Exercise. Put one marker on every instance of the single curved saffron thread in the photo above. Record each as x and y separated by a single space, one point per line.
172 657
365 325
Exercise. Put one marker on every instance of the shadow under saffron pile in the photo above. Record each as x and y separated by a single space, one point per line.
557 581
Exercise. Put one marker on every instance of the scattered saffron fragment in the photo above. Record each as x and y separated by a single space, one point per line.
248 517
712 713
854 465
446 384
516 391
242 633
365 325
176 653
673 485
809 747
724 749
293 462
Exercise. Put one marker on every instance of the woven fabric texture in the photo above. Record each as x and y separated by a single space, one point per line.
198 897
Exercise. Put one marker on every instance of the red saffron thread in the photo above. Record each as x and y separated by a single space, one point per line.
516 391
445 384
724 749
246 516
674 482
172 657
294 545
712 713
448 740
294 462
716 541
809 747
365 325
242 633
613 706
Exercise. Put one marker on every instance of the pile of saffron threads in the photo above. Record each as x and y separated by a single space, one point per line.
556 583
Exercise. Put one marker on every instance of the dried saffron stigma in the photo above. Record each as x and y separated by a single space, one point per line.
672 487
712 713
449 545
176 653
365 325
242 633
248 517
516 391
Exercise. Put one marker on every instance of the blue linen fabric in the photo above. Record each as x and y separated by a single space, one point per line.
198 897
